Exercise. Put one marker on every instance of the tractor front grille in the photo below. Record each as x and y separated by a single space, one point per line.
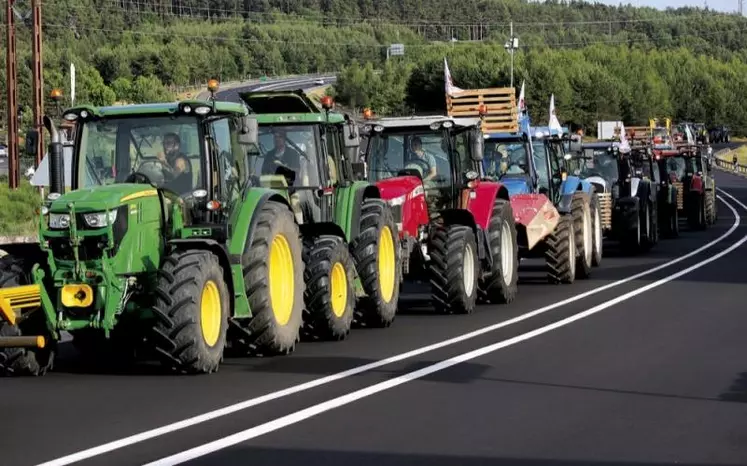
91 248
605 209
680 194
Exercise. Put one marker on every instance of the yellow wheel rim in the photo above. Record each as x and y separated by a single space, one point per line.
282 285
387 264
210 313
338 288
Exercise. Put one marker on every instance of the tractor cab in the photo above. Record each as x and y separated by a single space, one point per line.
602 164
509 157
550 160
302 150
442 153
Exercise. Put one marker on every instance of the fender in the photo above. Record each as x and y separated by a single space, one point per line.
466 218
406 196
598 182
481 200
244 219
348 202
634 184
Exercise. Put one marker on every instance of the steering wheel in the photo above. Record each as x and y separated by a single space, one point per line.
421 165
138 177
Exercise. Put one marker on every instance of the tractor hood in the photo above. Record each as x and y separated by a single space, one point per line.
518 185
396 190
100 198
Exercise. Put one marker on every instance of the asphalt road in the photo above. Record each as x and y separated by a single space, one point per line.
642 364
284 84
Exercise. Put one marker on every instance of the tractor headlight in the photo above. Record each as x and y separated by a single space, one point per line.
59 221
100 219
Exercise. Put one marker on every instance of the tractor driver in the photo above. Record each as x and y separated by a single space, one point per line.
282 159
176 167
417 150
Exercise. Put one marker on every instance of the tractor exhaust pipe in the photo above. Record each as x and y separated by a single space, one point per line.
56 162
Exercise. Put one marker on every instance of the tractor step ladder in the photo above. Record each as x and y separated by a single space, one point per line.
500 102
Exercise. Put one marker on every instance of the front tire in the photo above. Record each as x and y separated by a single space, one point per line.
376 256
329 297
500 285
192 307
596 221
560 253
584 236
454 269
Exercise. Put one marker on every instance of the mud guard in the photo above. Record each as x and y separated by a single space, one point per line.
480 205
536 215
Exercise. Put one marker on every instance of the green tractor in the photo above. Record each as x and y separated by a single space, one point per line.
348 230
173 254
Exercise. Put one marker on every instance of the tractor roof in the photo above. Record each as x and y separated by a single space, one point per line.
600 144
161 108
543 131
423 121
286 107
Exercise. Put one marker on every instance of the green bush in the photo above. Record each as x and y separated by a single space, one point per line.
19 209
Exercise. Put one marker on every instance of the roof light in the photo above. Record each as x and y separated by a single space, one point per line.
213 205
56 94
367 113
84 114
202 110
378 128
435 126
448 124
212 85
187 109
70 116
327 102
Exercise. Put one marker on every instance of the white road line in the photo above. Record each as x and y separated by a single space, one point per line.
230 409
328 405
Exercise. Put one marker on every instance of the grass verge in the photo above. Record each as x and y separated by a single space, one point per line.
19 213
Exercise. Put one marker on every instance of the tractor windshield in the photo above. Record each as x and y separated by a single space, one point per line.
679 166
422 154
165 151
290 151
541 163
506 158
599 162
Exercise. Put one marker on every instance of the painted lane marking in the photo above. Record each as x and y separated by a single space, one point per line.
292 390
371 390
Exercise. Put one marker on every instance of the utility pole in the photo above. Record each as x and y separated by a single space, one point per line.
12 96
38 77
511 46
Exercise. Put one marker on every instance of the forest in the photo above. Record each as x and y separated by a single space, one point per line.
600 61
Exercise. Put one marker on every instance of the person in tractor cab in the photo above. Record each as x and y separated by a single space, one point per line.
177 170
418 154
282 159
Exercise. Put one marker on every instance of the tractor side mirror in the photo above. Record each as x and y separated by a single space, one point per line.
477 145
249 134
32 141
351 135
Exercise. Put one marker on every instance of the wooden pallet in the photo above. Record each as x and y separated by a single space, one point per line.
680 195
605 210
500 102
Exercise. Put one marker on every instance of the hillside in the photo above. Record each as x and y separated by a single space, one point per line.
140 50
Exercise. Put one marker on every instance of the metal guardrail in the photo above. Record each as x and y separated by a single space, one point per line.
723 162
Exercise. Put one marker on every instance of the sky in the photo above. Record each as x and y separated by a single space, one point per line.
727 6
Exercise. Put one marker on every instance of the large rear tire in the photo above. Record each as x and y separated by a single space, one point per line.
500 285
329 297
454 269
560 253
192 307
584 234
710 214
23 361
273 276
376 255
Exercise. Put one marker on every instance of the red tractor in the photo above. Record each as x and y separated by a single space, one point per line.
455 225
695 193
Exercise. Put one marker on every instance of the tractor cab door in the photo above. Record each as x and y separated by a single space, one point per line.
548 171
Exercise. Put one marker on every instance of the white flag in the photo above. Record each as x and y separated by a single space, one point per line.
553 122
72 84
624 146
522 104
451 89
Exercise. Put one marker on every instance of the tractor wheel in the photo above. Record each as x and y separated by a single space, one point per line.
329 297
454 269
652 230
675 221
560 253
696 212
500 285
23 361
191 308
376 255
584 234
596 222
709 209
273 277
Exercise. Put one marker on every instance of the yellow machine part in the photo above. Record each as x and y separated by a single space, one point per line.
605 210
680 195
17 298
